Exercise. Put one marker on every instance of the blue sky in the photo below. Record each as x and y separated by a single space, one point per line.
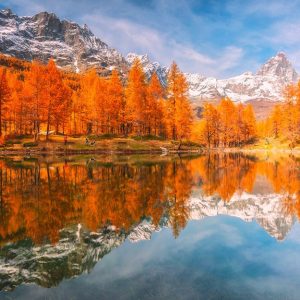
213 37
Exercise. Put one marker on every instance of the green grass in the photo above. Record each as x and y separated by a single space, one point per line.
30 144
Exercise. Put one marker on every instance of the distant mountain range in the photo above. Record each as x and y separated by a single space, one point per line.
76 48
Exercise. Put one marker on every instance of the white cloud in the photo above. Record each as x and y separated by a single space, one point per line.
27 7
128 36
274 8
230 58
285 33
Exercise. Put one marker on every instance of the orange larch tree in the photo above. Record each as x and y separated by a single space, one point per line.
179 115
155 94
210 126
35 91
135 94
57 98
116 104
228 120
276 119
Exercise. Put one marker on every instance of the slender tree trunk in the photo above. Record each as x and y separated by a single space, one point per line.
48 126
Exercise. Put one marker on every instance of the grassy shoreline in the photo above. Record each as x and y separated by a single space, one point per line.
130 145
78 145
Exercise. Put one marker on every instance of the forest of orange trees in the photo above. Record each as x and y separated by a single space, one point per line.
36 97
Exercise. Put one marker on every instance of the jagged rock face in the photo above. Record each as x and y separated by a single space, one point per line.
267 84
149 67
202 88
279 66
45 36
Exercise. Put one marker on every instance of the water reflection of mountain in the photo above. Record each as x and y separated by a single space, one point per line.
266 210
40 201
78 250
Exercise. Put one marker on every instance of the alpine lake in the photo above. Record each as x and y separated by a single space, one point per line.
217 226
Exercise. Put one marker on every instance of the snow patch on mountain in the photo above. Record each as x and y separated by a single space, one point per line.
143 231
149 67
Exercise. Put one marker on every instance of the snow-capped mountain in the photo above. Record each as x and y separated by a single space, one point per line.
149 67
267 84
263 89
76 48
280 67
45 36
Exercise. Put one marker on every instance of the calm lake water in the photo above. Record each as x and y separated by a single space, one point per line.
150 227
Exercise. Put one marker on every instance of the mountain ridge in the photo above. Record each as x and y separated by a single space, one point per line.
44 36
76 48
267 83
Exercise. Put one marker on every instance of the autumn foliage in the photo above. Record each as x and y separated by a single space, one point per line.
37 97
284 121
226 125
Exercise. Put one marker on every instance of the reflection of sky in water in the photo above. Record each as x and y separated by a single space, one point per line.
215 258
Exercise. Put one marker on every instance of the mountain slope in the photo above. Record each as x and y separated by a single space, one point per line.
263 89
45 36
149 67
267 84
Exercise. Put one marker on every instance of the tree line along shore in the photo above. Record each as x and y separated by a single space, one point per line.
45 108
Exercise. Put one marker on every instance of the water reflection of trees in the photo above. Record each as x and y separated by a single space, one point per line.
38 199
227 174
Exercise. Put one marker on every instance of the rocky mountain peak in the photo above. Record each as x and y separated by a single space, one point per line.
48 25
131 57
279 66
6 12
45 36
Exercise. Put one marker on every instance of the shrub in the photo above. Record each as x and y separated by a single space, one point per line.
17 136
30 144
12 142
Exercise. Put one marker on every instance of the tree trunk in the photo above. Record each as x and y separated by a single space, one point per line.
48 126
